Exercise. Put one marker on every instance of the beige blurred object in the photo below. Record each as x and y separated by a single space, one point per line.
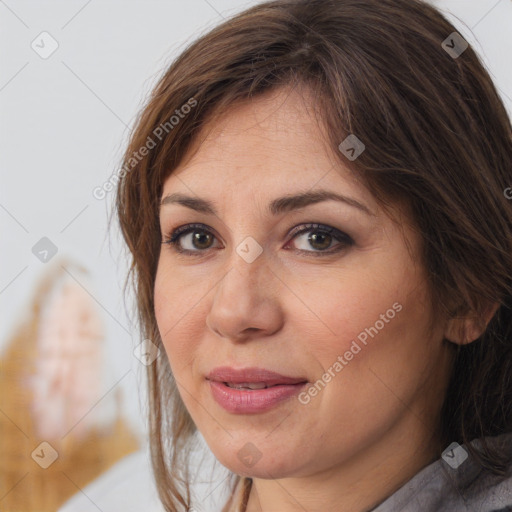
50 388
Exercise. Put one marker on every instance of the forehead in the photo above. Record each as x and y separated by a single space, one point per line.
272 143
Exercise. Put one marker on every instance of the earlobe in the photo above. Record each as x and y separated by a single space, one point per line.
466 329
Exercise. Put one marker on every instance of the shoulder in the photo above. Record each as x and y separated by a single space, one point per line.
455 483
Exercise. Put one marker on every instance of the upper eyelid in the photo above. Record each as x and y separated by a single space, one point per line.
187 228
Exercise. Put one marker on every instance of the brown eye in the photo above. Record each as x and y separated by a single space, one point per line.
191 239
318 239
201 239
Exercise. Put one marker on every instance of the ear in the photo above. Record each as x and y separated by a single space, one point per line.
463 330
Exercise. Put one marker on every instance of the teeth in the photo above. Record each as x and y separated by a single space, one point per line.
246 385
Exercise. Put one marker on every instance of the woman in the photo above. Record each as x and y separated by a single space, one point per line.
314 202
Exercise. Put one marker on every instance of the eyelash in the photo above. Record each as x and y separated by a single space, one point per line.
346 241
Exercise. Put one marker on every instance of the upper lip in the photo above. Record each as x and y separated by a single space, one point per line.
251 375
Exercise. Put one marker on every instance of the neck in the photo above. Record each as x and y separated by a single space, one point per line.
357 485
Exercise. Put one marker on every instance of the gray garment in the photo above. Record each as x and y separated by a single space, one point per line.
455 483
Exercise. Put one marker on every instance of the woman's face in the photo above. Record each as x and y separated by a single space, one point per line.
340 307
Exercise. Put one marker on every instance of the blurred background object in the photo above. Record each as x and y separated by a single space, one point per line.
58 429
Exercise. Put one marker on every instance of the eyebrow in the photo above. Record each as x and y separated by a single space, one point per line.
277 206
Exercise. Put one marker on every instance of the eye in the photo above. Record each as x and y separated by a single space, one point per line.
195 239
320 238
191 238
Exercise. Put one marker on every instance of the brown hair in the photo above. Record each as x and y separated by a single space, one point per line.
437 136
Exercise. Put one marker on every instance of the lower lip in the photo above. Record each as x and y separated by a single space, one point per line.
244 401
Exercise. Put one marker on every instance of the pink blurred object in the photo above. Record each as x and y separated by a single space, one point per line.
66 384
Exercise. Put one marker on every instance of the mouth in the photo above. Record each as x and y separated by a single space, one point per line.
252 390
251 378
248 385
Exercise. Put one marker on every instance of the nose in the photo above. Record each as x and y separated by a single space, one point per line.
245 303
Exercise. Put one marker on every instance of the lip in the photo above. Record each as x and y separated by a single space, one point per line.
270 378
244 401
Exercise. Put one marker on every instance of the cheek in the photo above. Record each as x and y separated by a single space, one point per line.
380 350
176 310
345 309
381 343
369 317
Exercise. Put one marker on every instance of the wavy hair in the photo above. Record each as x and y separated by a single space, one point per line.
437 136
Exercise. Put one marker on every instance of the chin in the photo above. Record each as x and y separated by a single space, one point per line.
249 461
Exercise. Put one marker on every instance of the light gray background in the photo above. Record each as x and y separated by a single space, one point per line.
64 121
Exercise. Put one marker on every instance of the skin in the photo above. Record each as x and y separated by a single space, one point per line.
374 425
